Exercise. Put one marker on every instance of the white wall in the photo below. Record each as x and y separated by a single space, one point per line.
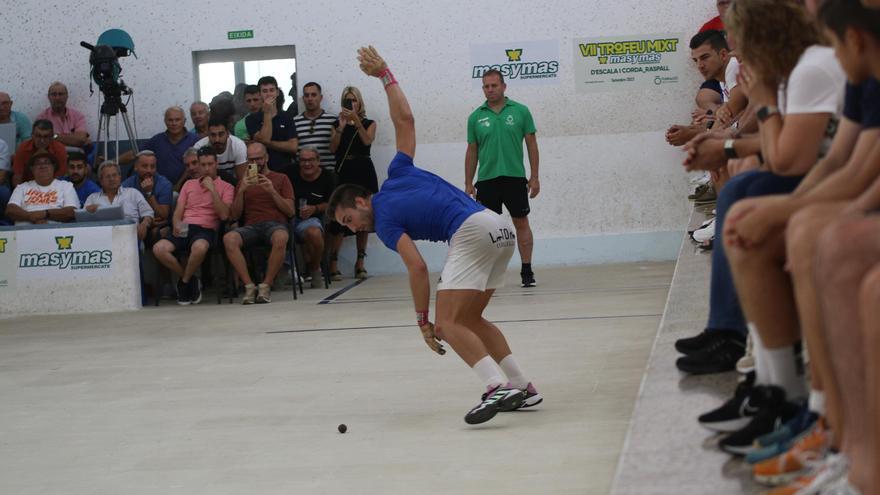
605 166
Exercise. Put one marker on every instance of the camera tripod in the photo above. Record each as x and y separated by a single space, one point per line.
112 107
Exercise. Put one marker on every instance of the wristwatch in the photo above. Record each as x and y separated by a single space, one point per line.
729 150
766 112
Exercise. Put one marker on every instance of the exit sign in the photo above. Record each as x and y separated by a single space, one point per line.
241 35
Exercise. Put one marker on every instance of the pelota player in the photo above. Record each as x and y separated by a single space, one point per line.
417 205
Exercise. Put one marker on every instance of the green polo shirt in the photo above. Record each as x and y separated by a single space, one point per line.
499 139
240 130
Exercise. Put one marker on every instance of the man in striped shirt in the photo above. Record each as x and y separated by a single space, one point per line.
314 126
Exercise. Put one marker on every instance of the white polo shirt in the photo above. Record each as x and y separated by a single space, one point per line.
134 206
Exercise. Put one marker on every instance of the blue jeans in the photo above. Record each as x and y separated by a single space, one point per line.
725 312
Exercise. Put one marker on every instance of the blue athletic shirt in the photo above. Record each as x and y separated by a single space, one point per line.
418 203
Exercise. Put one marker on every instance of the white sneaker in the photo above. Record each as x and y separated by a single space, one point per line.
746 364
844 487
701 179
250 294
828 475
707 233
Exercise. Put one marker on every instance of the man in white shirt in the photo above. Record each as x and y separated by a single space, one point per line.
231 151
44 199
134 205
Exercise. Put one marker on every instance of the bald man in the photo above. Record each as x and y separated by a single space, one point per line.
10 116
170 145
69 124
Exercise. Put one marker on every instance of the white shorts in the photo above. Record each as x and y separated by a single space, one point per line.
478 253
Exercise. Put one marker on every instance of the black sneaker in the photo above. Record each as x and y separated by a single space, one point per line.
195 290
493 401
720 355
528 279
774 412
182 292
735 413
690 345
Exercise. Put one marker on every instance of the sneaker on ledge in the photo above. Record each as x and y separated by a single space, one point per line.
691 345
796 461
735 413
774 410
791 429
718 356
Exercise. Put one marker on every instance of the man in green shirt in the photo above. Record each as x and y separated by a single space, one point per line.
254 103
495 133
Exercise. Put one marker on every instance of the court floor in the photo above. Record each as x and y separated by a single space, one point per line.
228 399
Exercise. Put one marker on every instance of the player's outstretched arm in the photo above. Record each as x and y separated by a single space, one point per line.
421 289
401 116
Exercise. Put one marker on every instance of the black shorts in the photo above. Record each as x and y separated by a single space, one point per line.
259 232
512 192
195 233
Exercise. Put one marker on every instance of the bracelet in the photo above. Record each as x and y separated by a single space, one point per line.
422 317
387 77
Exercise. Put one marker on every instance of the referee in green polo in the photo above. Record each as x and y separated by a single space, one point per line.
495 135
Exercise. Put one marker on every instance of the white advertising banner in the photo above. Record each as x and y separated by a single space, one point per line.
8 260
522 63
629 63
75 253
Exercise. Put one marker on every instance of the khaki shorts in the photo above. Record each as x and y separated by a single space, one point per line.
479 252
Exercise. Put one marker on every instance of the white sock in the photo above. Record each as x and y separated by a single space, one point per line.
489 372
784 372
762 367
816 402
514 373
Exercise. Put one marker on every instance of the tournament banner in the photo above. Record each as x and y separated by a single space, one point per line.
629 63
8 260
522 63
71 253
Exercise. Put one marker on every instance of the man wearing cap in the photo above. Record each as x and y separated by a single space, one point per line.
44 199
42 139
